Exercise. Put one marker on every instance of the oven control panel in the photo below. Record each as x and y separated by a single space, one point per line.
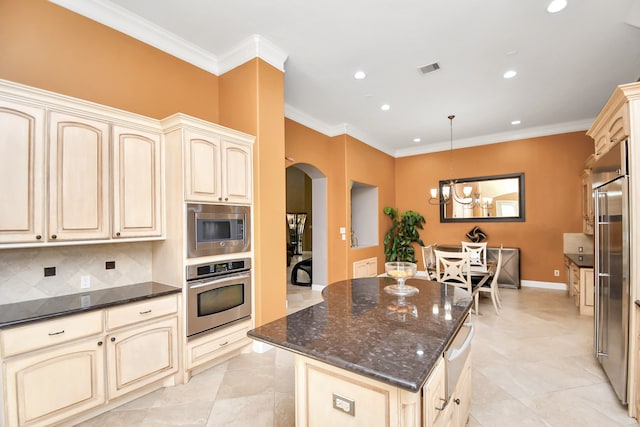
201 271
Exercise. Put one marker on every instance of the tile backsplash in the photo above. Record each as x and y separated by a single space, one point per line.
22 270
573 241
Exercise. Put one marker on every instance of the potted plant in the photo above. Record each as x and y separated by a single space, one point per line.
403 232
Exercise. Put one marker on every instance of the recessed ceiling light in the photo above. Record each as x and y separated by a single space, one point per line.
556 6
515 122
509 74
416 140
385 107
359 75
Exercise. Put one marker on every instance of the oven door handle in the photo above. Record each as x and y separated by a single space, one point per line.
200 284
455 353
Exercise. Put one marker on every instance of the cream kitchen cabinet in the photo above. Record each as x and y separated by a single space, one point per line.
365 268
60 369
217 161
137 183
53 370
588 218
616 128
21 172
435 396
74 171
78 178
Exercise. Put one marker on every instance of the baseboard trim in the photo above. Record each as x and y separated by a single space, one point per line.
318 288
543 285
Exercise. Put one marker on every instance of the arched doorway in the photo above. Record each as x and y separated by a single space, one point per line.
317 243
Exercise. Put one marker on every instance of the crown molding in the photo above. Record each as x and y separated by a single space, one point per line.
121 19
532 132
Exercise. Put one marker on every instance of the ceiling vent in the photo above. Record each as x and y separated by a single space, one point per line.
429 68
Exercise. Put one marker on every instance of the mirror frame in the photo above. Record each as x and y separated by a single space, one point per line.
521 199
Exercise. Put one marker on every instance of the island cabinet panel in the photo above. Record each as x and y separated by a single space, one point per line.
434 394
328 396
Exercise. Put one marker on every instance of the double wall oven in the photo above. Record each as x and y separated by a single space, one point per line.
218 292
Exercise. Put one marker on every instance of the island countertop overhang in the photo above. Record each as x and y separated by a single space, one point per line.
360 328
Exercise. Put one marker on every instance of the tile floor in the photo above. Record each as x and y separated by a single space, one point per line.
532 367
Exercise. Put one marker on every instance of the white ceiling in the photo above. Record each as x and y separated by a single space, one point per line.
568 63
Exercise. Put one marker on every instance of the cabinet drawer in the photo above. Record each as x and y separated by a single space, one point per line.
217 344
140 311
48 333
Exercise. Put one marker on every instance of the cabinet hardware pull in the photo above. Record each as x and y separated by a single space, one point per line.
219 198
56 333
145 312
99 343
38 237
443 406
53 236
113 339
226 199
457 400
224 343
117 234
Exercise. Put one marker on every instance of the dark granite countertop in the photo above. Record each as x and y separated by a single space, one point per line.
47 308
581 260
354 329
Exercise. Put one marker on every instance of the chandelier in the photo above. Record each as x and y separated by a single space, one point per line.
448 189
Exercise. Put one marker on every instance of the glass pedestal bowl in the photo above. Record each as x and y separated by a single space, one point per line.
400 271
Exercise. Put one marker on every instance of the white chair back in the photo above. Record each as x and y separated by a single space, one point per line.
428 257
478 252
453 268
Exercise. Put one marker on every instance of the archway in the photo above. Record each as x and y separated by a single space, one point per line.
319 225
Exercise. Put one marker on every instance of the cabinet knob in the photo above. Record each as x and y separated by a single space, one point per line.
38 237
117 234
113 339
220 198
226 199
54 236
457 401
99 343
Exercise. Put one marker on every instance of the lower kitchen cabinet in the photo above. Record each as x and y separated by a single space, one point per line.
216 346
365 268
140 356
580 281
43 388
56 371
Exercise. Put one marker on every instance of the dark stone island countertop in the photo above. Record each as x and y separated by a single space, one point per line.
48 308
581 260
359 328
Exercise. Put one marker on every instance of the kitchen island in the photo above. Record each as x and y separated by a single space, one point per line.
365 357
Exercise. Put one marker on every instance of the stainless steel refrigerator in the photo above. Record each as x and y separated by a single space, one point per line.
611 196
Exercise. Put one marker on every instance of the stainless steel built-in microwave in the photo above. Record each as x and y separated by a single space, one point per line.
217 229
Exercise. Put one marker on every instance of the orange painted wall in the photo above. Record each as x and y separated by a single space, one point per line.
343 159
551 166
49 47
253 99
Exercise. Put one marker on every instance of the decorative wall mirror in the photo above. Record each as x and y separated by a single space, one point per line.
484 199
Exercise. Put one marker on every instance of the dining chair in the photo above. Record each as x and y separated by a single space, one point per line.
492 287
429 260
454 268
478 253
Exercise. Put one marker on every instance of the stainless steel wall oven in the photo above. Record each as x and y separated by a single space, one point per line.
218 293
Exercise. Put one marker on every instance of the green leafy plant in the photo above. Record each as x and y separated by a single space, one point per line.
403 232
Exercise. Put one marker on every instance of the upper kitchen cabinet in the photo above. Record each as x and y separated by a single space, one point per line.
21 172
75 171
218 161
78 178
137 183
612 124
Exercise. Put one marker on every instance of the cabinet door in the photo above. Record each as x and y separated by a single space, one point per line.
461 398
137 183
435 398
78 178
51 386
139 356
203 180
21 173
237 178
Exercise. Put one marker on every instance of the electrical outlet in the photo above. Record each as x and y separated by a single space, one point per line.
110 265
556 273
85 282
49 271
